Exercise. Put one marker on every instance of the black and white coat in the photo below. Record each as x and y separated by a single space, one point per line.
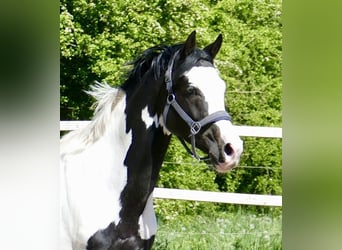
110 167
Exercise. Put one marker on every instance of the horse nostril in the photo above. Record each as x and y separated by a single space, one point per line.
228 149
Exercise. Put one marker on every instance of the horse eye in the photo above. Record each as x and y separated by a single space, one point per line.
190 90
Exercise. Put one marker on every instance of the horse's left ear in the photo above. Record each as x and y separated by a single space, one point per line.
214 48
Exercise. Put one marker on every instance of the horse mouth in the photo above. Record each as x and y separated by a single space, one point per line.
224 167
222 155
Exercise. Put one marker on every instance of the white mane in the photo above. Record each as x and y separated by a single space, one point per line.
106 99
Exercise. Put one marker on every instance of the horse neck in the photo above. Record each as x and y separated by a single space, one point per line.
144 107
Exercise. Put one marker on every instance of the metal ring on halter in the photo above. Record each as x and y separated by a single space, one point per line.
195 128
170 98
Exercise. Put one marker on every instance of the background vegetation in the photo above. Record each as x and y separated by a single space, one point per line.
98 37
224 231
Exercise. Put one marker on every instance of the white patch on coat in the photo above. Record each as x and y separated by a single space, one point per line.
148 220
162 124
208 80
145 116
93 175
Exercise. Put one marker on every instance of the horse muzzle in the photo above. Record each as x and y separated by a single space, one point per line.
225 152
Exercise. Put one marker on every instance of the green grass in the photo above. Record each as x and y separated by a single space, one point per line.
224 231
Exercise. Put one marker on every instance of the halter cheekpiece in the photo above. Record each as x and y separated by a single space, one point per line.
195 126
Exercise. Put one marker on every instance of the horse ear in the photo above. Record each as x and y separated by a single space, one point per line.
214 48
189 45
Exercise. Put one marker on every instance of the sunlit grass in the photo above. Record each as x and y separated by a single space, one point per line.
238 230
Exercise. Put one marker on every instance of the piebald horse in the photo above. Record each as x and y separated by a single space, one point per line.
110 167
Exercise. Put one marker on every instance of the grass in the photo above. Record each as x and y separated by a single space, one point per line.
224 231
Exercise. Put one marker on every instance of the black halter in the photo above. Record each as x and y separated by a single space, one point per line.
195 126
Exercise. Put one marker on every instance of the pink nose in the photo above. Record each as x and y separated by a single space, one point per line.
225 167
232 157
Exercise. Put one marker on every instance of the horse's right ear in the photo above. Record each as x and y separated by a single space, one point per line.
189 45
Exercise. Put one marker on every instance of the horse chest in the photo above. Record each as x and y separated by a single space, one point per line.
92 183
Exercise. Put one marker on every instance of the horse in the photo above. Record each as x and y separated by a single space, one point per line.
110 167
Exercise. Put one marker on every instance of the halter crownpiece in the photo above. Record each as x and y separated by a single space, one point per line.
195 126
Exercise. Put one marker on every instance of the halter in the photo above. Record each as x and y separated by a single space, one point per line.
195 126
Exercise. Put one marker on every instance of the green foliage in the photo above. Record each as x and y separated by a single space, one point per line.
98 37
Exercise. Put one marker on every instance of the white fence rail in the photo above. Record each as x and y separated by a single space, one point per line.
195 195
270 132
232 198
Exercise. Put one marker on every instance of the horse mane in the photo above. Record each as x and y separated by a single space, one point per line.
107 98
155 59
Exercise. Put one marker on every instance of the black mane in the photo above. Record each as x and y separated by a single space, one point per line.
155 58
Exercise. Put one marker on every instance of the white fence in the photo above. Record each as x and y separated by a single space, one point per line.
194 195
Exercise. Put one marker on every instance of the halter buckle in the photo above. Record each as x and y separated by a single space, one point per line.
195 128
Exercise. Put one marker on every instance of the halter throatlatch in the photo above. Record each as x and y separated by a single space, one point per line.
195 126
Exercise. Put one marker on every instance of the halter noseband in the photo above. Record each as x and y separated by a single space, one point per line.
195 126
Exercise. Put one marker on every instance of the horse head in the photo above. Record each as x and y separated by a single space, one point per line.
194 109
